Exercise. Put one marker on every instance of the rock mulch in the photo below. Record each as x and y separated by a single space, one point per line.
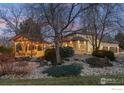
116 69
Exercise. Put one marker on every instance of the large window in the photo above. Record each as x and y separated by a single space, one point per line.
39 48
31 47
18 47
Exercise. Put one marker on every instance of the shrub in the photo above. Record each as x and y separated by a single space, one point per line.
5 50
64 70
66 59
98 62
15 68
6 58
110 55
50 55
103 53
65 52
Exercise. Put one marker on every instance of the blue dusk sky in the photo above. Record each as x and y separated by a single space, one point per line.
4 6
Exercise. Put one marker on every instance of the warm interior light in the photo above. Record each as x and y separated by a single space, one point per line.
70 42
78 44
65 44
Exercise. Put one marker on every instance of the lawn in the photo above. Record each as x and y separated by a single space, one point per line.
87 80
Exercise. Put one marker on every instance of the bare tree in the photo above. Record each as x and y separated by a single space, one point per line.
58 18
99 21
12 17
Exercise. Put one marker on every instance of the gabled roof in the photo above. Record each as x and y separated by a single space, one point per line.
109 39
77 32
15 37
76 38
29 38
106 39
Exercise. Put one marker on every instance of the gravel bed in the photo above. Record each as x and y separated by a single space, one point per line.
116 69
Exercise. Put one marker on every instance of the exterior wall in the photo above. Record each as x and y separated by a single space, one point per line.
85 46
90 49
109 46
26 51
31 52
80 47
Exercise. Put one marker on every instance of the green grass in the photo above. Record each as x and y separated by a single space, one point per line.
87 80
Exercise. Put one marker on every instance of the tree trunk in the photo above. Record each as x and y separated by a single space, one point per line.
57 50
95 48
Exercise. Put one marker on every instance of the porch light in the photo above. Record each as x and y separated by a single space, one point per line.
78 42
70 42
66 45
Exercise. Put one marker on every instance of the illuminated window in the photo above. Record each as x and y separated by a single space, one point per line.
66 45
18 47
79 44
31 47
39 48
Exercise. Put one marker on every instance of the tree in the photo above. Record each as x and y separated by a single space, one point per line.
12 17
59 17
120 38
99 21
30 29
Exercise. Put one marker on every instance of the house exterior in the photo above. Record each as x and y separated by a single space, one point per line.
81 44
27 47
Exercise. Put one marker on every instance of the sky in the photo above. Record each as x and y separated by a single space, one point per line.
4 7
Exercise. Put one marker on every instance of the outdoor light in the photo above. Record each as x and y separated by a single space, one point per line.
78 42
70 42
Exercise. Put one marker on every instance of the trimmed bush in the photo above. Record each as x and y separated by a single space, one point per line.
65 52
50 55
98 62
103 53
64 70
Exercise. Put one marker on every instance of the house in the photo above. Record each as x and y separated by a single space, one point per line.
25 46
82 45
